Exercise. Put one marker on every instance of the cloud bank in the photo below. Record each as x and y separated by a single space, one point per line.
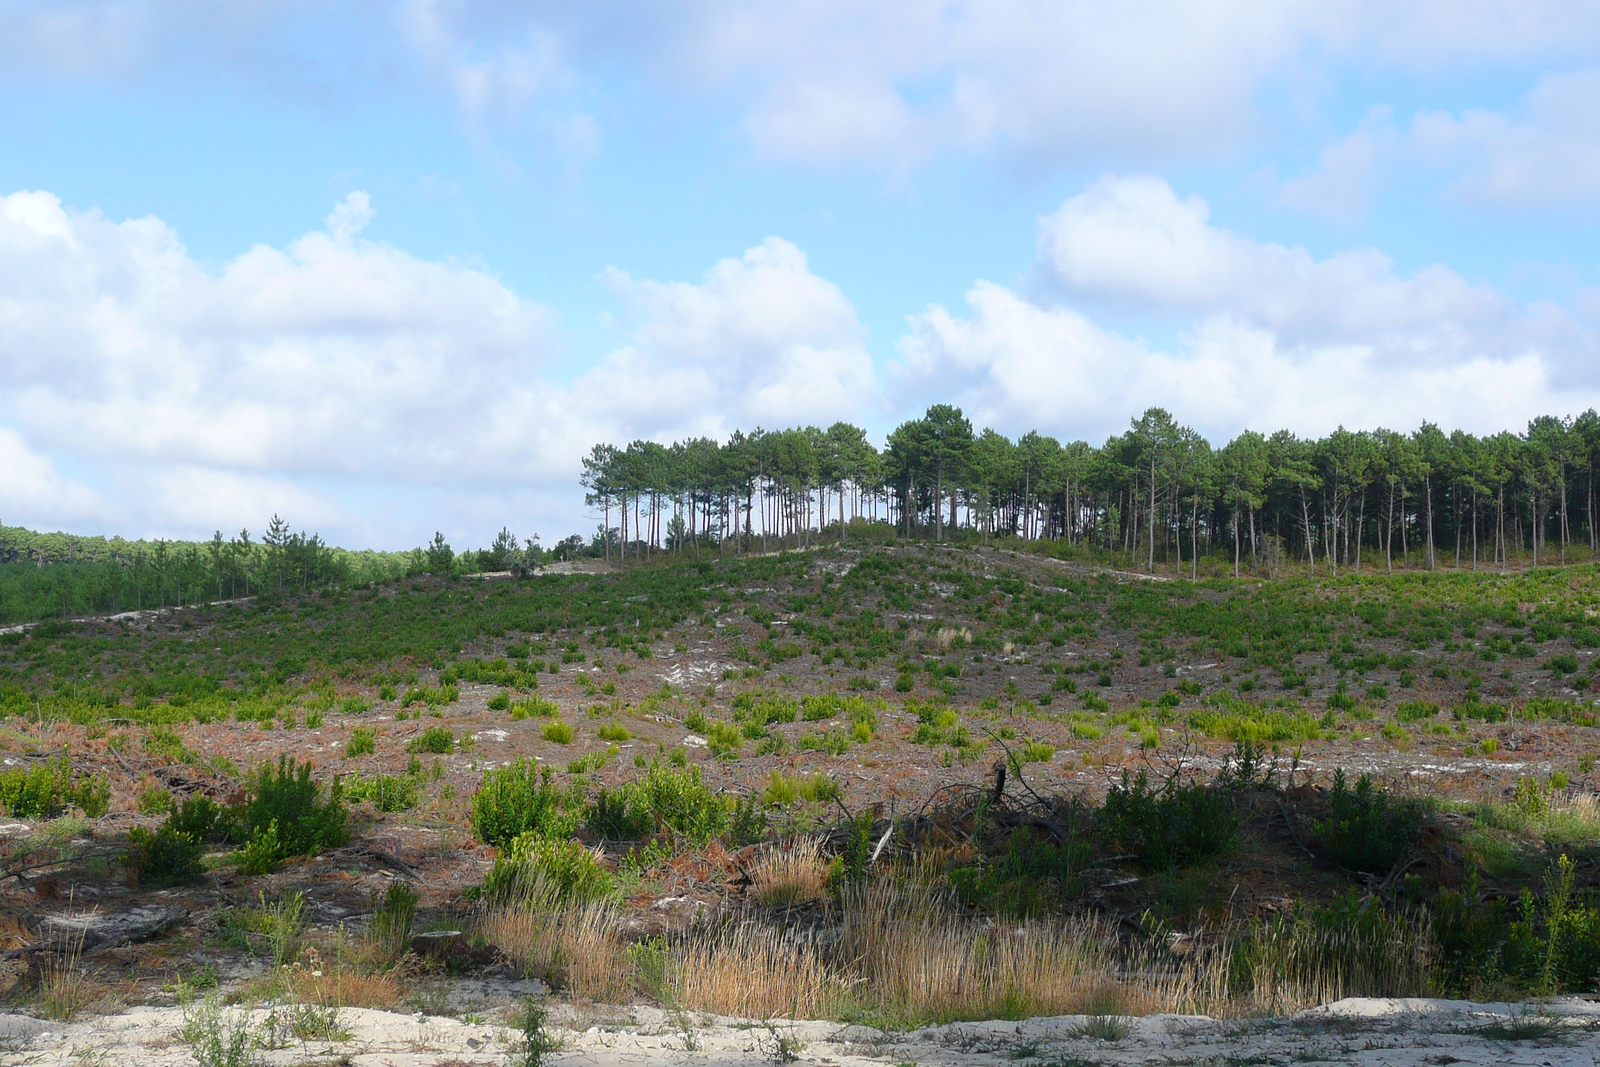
298 379
1270 336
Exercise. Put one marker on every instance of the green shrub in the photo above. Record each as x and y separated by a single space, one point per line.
682 802
535 706
263 853
563 869
201 818
287 805
520 799
154 800
46 790
363 742
614 731
164 857
385 792
559 732
1178 824
436 739
782 790
1367 829
1032 752
1415 710
725 740
621 814
391 921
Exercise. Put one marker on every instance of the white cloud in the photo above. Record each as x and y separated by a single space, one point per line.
339 377
1274 337
887 84
1339 188
1546 153
762 340
1131 242
493 71
34 492
334 354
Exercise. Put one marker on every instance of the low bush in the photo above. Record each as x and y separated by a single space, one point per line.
390 927
546 868
363 742
782 790
387 793
1176 824
163 857
436 739
621 814
1367 829
538 707
47 789
201 818
286 813
683 804
521 799
558 732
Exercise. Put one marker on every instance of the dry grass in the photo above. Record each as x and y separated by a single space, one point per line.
65 987
1297 964
793 873
913 955
750 970
338 986
905 954
574 948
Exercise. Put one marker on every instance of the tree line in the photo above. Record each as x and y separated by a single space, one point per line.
1157 493
59 575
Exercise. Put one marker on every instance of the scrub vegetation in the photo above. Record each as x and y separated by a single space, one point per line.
879 778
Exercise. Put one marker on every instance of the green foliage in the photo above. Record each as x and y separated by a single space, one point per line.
263 852
1537 944
561 868
363 742
385 792
855 859
783 790
435 739
621 814
1415 710
1034 873
154 800
165 856
391 921
47 789
613 731
288 807
1176 824
683 804
535 706
558 732
201 818
1367 829
521 799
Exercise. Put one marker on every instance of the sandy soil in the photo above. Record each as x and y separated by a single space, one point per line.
1400 1033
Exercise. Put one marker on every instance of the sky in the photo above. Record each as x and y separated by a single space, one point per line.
386 267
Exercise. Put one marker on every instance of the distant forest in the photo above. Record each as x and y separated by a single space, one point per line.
57 575
1158 492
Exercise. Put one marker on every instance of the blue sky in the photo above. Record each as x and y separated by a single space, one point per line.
391 267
